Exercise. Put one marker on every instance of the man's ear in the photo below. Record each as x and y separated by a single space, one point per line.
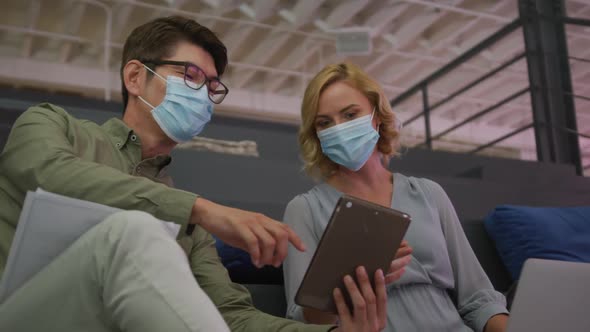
134 77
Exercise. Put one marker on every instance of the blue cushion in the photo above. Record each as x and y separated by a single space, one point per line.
240 267
522 232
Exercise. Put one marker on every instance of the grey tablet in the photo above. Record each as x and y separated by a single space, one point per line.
359 233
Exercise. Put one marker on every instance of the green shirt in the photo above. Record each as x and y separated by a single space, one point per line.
50 149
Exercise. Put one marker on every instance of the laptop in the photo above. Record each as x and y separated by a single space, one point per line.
552 296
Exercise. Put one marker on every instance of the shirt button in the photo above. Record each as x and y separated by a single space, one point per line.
118 144
138 169
133 138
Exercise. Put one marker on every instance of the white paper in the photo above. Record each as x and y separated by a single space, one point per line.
48 224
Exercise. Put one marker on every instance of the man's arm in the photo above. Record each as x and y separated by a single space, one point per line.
39 154
232 300
235 305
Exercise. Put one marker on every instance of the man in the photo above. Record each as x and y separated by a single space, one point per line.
126 273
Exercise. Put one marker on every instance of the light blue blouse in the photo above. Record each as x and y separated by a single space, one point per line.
444 287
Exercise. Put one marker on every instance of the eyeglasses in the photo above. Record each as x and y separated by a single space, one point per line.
195 78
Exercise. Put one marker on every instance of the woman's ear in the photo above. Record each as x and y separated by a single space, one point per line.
378 120
133 77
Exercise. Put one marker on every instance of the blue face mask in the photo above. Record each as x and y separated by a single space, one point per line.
184 112
350 144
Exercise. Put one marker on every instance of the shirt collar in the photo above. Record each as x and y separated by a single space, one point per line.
119 132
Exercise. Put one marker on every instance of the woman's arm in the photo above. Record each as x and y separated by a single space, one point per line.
477 300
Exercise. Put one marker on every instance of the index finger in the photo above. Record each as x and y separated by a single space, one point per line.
381 298
403 250
341 306
294 239
369 296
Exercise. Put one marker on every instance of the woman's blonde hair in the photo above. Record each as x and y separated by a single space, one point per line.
316 163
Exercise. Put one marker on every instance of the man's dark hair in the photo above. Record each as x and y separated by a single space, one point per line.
158 39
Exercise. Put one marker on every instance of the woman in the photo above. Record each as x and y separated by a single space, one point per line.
347 137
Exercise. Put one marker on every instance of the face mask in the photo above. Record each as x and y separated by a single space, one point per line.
350 144
184 112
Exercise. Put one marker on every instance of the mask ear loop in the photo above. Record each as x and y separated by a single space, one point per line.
372 116
153 72
145 102
160 77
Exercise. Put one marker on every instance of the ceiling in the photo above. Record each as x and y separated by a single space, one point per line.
275 46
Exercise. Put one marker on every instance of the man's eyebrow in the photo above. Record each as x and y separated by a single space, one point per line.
203 70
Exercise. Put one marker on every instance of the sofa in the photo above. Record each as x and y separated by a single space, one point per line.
266 285
502 241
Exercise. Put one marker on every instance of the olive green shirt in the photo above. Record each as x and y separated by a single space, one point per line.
50 149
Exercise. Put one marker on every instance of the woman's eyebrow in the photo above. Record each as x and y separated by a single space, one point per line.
347 108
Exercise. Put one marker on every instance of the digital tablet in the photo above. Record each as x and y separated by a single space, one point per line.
358 233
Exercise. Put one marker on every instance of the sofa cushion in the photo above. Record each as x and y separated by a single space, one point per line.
522 232
240 267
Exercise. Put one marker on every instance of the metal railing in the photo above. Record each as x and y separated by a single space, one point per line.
423 88
427 108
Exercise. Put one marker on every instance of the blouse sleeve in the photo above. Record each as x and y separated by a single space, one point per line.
477 300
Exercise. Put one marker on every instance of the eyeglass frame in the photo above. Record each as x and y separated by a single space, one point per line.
186 65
